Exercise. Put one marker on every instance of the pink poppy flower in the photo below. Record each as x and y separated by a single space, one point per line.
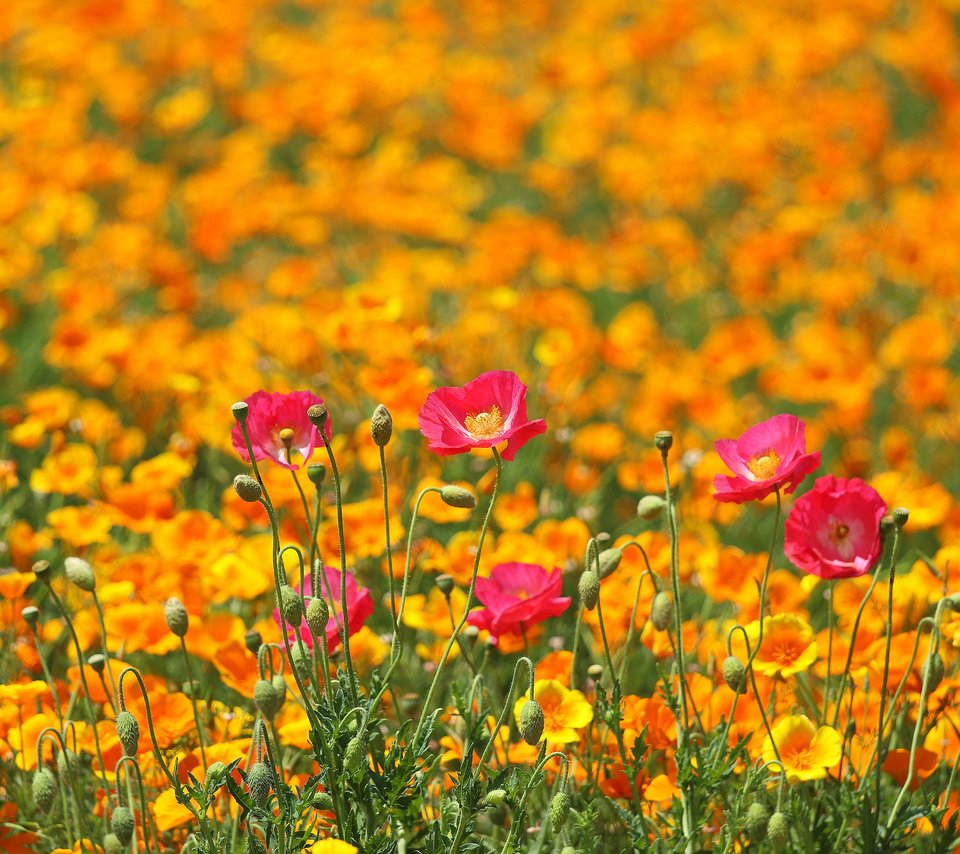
833 531
359 605
277 424
483 413
770 454
517 596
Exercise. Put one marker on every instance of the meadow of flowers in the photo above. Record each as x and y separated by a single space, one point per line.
479 427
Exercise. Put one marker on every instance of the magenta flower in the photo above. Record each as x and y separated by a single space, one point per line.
277 424
769 455
359 605
517 596
483 413
833 531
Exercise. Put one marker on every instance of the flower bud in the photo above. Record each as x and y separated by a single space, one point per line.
323 802
458 496
178 621
609 560
559 810
300 659
216 776
240 411
128 731
735 674
44 789
445 583
757 817
247 488
259 781
933 671
318 615
265 698
531 722
381 425
280 686
290 605
80 573
953 602
31 615
650 507
663 440
68 763
588 588
111 844
97 662
41 569
661 611
318 416
354 755
122 824
316 472
595 672
494 798
900 516
778 830
253 641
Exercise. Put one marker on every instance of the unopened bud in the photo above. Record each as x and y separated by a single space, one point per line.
458 496
68 763
381 425
531 722
41 569
31 615
650 507
661 611
300 659
111 844
354 755
97 662
265 698
317 415
178 621
216 777
80 573
588 589
247 488
240 411
316 472
322 801
663 440
735 674
757 817
559 810
595 672
445 584
253 640
44 789
900 516
933 671
886 525
259 781
609 560
318 615
290 605
128 732
280 686
122 823
778 830
494 798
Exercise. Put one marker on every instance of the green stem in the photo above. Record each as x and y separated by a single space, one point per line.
193 701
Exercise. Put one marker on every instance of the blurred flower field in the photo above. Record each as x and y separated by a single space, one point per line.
462 263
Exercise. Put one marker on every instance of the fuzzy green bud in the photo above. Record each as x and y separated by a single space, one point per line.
317 472
259 781
559 810
300 659
80 573
280 686
495 798
122 824
735 674
265 698
247 488
381 425
661 611
458 496
68 763
531 722
933 671
216 777
97 663
44 789
757 817
318 416
31 615
290 605
663 440
588 589
609 560
354 755
178 621
128 731
318 615
253 844
322 801
778 830
112 844
650 507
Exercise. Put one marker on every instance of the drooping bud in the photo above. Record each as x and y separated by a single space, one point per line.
559 810
445 584
933 671
661 611
68 763
290 605
953 602
265 698
41 569
354 755
650 507
240 411
178 621
259 781
253 641
111 844
280 686
900 516
122 823
128 731
588 589
247 488
381 425
80 573
44 789
254 845
300 659
663 440
609 560
318 615
778 830
735 674
531 722
458 496
757 817
316 472
31 615
318 416
494 798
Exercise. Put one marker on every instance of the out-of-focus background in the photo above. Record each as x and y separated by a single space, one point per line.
659 214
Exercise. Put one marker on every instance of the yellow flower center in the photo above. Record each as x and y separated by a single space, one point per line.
764 466
800 758
484 425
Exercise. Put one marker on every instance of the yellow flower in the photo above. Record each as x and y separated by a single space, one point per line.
806 752
788 645
564 711
332 846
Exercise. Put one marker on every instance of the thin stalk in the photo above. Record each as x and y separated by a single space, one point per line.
193 702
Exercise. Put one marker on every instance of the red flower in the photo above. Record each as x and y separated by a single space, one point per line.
517 596
833 531
485 412
277 424
770 454
359 605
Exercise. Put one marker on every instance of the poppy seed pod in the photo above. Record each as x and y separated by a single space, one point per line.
381 425
322 801
178 621
778 830
80 573
280 686
122 824
68 763
663 440
316 472
494 798
757 817
318 416
259 781
265 698
650 507
290 605
216 774
531 722
445 583
128 732
318 615
457 496
247 488
111 844
41 569
900 516
735 674
240 411
661 611
588 589
43 788
31 615
300 659
559 810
